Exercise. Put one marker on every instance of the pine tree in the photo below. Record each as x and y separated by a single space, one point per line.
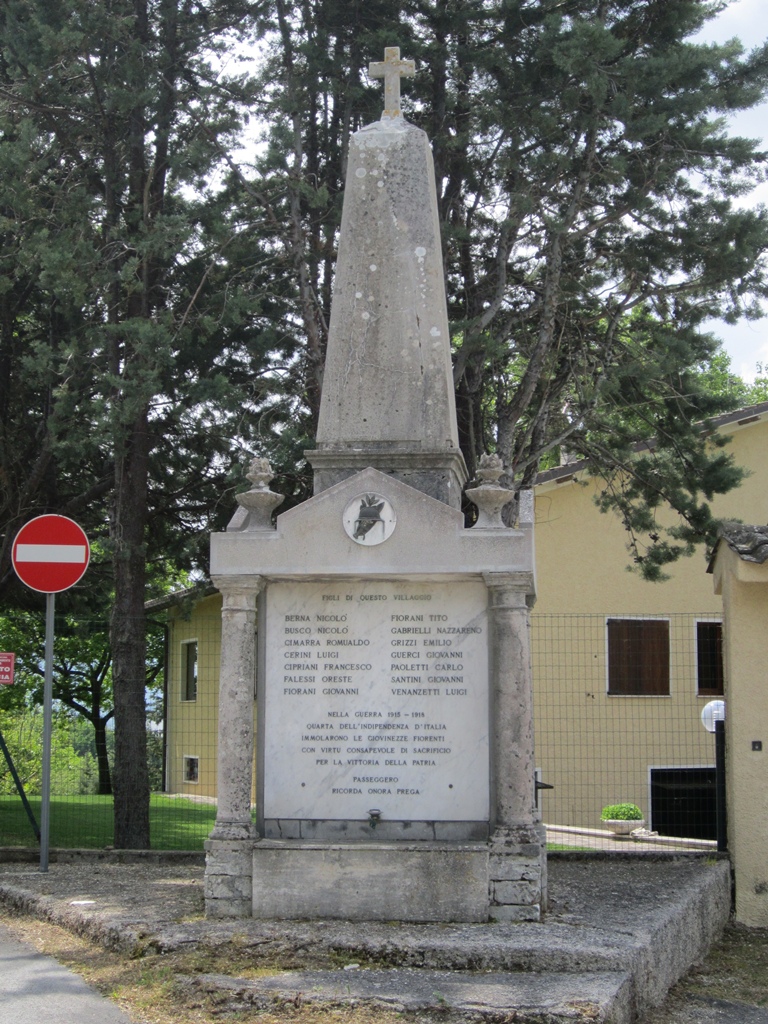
588 191
113 119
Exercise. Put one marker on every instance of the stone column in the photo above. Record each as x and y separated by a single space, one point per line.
229 860
512 764
237 679
517 856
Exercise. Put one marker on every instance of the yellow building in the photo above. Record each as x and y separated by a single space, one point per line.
740 570
622 668
191 690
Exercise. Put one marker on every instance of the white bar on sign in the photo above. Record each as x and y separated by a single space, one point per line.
74 553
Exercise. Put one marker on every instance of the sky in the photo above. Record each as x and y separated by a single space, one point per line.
747 342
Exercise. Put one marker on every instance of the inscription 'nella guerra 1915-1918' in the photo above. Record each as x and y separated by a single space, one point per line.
376 695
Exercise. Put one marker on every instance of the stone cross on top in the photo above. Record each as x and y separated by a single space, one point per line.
392 69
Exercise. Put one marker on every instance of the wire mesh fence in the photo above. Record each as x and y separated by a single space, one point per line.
617 704
617 707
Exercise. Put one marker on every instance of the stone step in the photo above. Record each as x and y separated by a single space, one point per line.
552 998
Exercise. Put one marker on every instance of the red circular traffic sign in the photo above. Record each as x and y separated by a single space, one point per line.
50 554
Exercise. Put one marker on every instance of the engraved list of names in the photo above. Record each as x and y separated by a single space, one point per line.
376 696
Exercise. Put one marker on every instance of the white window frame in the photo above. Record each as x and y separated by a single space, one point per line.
185 759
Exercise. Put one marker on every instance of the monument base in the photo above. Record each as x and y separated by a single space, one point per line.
503 879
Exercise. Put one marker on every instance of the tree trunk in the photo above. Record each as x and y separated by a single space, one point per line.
102 760
128 640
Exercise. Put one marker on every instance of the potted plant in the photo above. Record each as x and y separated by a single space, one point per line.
622 819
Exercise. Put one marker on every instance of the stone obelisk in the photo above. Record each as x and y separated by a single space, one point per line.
388 642
388 396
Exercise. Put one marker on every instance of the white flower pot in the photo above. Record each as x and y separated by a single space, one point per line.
623 828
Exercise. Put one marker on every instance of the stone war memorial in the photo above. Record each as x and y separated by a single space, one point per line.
386 644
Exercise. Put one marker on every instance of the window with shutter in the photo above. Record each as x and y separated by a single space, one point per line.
189 670
638 657
709 659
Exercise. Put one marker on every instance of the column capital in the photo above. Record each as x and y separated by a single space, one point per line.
233 831
513 588
239 592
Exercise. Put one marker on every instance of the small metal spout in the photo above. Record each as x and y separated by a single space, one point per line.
374 817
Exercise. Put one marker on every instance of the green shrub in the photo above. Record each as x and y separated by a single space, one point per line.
621 812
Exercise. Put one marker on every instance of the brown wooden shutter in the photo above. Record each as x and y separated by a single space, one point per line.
638 657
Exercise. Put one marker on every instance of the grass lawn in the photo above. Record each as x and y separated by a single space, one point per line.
86 821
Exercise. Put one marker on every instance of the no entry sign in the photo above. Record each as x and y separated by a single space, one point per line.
50 554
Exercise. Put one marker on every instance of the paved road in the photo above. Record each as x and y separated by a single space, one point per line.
35 989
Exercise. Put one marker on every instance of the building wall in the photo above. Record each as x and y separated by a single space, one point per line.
193 725
597 748
582 556
744 588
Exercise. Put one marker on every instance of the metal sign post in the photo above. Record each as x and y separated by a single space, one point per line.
49 554
45 790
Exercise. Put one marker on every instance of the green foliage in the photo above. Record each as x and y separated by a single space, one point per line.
591 205
621 812
125 355
718 378
71 772
82 679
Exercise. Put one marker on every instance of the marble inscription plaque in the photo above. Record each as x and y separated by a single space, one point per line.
376 696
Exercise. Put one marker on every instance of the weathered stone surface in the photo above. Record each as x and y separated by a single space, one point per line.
228 882
522 892
430 540
237 682
518 853
228 858
227 887
525 999
258 504
513 768
221 909
388 384
385 831
371 882
388 375
512 868
440 474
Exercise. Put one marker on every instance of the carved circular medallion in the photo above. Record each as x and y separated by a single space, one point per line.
369 519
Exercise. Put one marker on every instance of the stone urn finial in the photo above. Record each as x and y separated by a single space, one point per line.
489 496
259 473
260 502
490 469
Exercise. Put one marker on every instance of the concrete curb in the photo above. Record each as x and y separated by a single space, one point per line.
538 999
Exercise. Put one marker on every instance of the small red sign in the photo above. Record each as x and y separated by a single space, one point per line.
50 554
6 669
